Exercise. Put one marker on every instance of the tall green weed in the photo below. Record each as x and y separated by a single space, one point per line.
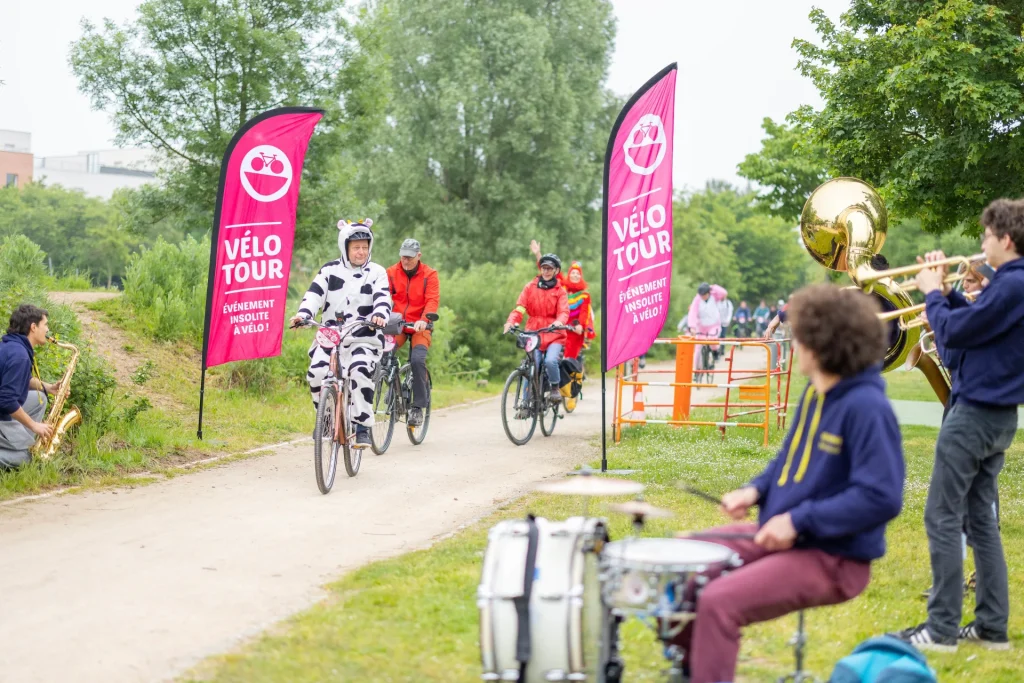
22 278
166 289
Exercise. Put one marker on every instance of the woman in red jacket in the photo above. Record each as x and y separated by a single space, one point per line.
546 304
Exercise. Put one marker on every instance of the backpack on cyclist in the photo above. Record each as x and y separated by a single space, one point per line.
883 660
570 377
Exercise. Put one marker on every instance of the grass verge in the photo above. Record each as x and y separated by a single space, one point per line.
414 618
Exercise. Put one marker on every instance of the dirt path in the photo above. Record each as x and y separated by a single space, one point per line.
105 339
110 342
140 584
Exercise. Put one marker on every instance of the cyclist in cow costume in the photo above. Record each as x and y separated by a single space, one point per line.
348 289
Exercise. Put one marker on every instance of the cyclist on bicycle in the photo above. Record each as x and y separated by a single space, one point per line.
346 290
704 318
546 304
581 313
415 291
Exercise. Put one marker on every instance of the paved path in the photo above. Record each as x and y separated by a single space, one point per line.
140 584
929 413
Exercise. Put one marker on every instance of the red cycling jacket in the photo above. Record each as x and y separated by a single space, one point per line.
545 307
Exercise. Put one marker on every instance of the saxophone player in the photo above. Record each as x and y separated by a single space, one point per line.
22 396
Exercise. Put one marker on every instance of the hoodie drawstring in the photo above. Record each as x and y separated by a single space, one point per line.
809 395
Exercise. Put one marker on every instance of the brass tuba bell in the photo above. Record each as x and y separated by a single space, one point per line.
843 224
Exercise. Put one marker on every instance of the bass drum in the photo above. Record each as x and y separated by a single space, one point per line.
571 635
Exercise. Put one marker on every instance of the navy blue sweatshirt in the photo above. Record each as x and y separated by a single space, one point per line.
16 358
840 471
990 336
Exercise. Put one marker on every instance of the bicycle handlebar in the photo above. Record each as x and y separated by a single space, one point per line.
552 328
311 322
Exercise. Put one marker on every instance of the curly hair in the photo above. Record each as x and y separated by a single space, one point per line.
1006 217
24 317
840 326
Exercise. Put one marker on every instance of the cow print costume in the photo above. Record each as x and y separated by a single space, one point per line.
345 293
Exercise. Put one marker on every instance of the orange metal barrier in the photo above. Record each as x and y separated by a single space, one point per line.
750 398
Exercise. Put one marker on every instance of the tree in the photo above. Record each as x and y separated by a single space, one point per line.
721 238
186 74
789 166
923 99
496 125
74 230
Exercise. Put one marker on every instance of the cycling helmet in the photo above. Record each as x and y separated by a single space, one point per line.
704 288
551 259
359 235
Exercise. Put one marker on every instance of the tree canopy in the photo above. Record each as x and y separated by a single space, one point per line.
923 99
186 74
496 124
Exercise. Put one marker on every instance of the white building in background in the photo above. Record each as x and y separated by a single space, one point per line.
98 173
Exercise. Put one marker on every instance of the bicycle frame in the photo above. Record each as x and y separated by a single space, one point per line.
334 371
536 383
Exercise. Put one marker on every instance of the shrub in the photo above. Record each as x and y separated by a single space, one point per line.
166 289
22 275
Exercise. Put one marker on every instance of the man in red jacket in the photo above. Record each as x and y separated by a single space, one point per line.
546 304
415 291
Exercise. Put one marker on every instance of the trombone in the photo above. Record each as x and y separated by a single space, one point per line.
965 264
904 314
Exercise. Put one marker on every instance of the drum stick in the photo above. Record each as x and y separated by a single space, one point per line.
722 534
700 494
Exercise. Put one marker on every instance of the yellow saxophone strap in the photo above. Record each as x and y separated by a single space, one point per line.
35 373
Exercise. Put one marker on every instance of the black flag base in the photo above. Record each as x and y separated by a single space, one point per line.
620 472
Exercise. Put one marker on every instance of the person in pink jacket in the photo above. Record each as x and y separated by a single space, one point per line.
704 318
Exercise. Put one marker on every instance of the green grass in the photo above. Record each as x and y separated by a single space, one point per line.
164 437
414 618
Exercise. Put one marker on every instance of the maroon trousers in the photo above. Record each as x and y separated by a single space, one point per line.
767 586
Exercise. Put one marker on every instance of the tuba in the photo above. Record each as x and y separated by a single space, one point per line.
843 224
46 447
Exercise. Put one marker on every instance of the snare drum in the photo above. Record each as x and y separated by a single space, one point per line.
646 577
570 633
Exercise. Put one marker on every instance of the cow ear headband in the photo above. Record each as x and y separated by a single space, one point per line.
366 223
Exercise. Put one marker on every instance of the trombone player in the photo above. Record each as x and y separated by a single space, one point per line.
988 385
22 396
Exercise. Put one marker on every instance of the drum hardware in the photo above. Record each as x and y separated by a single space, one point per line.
798 641
587 485
640 511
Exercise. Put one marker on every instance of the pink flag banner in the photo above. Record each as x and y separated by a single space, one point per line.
253 233
638 221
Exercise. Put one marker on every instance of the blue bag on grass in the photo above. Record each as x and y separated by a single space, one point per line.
883 660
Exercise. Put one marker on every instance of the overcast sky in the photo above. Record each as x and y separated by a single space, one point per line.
736 66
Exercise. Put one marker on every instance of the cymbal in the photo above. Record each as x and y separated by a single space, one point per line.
640 508
591 486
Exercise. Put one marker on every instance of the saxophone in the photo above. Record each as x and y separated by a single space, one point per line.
46 447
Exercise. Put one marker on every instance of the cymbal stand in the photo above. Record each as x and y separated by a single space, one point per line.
798 641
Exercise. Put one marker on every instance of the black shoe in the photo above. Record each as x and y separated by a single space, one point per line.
415 416
920 637
992 641
362 437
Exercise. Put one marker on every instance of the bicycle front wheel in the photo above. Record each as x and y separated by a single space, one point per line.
385 395
325 448
353 456
417 434
518 416
549 418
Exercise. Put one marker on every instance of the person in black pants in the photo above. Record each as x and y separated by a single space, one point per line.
975 279
988 386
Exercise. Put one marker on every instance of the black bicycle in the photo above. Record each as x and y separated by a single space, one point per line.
705 364
392 397
524 398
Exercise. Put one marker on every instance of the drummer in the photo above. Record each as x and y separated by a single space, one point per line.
824 501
